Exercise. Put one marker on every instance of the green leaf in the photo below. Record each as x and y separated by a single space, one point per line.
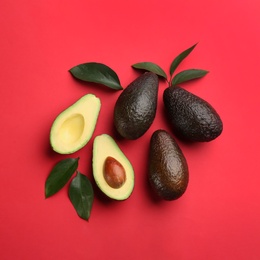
81 195
180 58
96 73
152 67
60 175
187 75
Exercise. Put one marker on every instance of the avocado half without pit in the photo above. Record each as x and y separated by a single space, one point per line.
112 171
73 128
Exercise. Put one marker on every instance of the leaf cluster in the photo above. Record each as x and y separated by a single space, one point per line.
80 190
102 74
175 79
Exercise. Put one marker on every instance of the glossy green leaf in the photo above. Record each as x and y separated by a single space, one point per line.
60 175
97 73
187 75
180 58
152 67
81 195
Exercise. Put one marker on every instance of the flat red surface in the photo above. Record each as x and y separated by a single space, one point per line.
218 216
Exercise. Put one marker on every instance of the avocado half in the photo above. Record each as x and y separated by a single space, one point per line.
73 128
104 147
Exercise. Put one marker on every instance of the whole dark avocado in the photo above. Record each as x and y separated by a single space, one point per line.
168 169
191 117
136 106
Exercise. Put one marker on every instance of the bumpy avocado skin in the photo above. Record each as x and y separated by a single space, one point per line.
136 106
168 169
192 118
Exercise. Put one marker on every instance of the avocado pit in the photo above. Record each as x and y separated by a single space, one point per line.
114 173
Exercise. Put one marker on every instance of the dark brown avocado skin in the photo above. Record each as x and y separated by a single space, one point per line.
136 106
191 117
168 169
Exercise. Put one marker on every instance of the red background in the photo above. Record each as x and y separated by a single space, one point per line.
218 216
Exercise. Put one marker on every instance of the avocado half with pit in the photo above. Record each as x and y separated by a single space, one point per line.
112 171
73 128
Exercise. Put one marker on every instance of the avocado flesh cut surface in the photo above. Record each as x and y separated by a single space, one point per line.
104 146
73 128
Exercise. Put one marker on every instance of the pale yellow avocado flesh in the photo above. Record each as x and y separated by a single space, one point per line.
73 128
104 146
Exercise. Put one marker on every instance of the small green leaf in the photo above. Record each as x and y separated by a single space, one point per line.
81 195
187 75
60 175
96 73
180 58
152 67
